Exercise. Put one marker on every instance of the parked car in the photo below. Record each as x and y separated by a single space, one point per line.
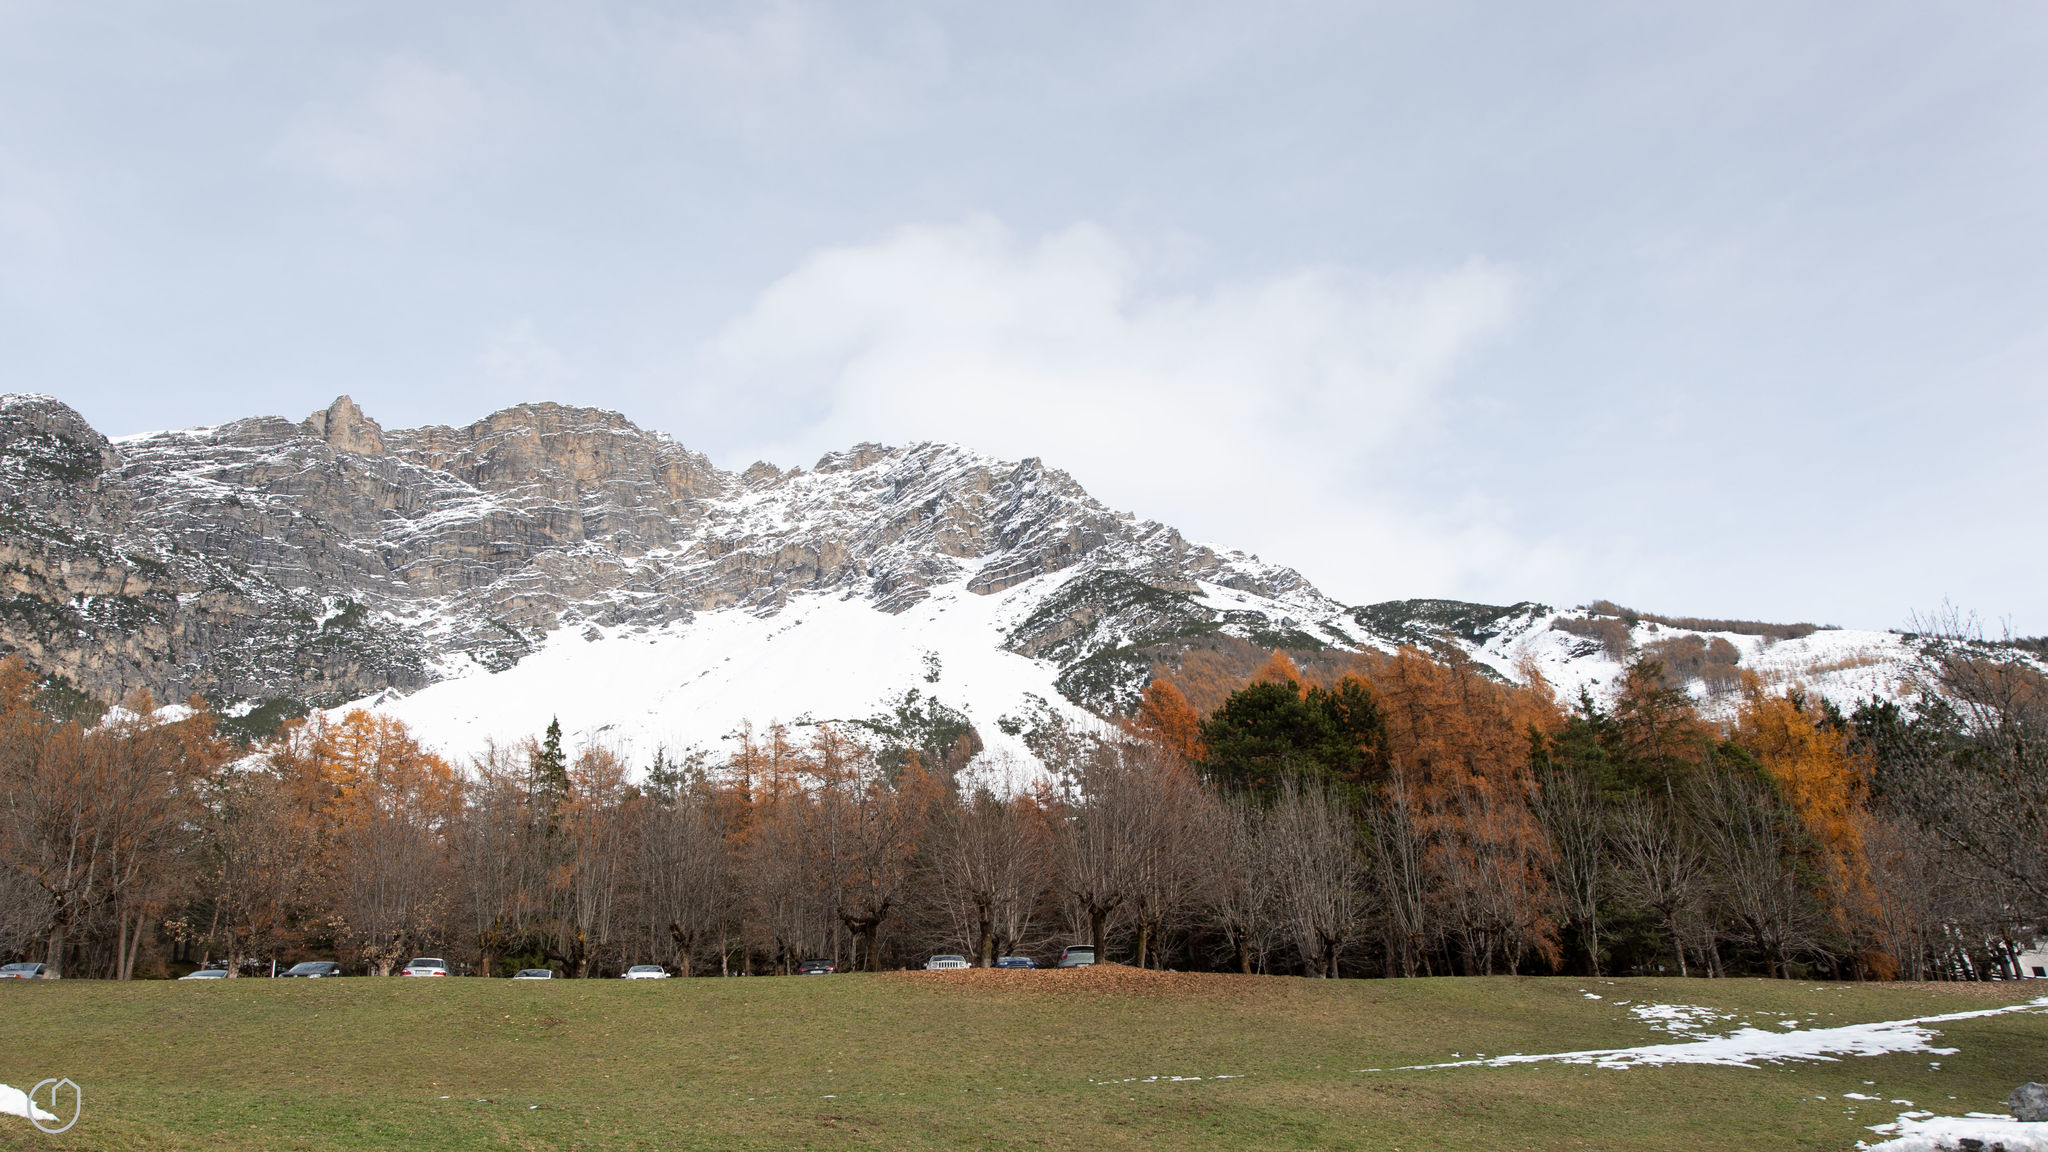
1078 956
206 974
26 970
312 969
944 963
534 974
644 972
816 968
1015 962
425 966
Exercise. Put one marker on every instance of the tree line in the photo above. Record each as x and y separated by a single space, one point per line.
1403 815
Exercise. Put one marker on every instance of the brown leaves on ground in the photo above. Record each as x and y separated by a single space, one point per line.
1089 980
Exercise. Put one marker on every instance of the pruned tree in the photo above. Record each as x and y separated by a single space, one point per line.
1574 816
1661 867
986 867
1312 851
1763 875
683 870
591 875
1397 853
1242 900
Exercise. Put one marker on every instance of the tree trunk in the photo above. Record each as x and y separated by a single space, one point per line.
134 947
54 957
1144 940
1096 916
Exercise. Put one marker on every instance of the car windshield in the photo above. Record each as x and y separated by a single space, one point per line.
17 967
535 972
427 962
310 966
1078 951
645 968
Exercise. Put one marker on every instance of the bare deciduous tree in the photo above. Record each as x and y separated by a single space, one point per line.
1661 867
986 868
1317 871
1752 842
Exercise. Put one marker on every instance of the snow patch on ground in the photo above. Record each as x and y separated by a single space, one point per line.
1926 1132
1677 1019
1168 1079
14 1102
1747 1047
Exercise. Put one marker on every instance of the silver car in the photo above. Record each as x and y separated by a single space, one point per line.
1078 956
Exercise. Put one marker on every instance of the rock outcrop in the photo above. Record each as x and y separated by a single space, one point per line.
325 559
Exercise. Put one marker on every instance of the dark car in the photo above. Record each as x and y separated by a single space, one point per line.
1015 962
816 968
313 969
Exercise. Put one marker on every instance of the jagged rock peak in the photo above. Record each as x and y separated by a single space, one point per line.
50 437
345 429
859 456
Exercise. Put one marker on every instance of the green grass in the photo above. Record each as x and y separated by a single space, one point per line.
905 1062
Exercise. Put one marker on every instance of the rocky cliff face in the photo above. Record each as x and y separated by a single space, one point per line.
330 558
274 565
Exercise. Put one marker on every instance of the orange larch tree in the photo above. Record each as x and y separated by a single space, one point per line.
1166 717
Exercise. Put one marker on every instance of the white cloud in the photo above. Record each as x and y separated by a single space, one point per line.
1276 413
403 126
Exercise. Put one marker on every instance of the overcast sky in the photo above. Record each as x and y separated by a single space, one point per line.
1736 311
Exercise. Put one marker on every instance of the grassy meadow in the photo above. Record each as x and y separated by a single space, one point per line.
1042 1060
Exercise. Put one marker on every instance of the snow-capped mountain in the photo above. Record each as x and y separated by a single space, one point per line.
557 561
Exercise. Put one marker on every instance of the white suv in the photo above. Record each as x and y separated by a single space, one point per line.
425 966
644 972
942 963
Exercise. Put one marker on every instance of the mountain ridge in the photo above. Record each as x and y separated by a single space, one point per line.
274 565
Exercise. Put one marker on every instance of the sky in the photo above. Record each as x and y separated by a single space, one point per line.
1725 310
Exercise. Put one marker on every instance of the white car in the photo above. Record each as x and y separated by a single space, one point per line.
945 963
206 974
533 974
425 966
644 972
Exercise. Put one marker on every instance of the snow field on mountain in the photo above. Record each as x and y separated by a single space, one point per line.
1845 666
693 684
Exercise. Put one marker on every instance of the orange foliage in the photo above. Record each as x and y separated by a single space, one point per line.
1278 669
1165 716
1459 744
1823 780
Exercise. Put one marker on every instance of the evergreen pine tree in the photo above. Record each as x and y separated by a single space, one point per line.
550 774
